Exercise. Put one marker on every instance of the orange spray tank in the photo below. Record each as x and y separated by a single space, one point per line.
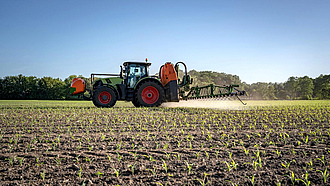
169 79
77 86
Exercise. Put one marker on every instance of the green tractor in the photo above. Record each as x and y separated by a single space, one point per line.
135 84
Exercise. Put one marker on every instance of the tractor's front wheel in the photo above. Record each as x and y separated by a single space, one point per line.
150 94
104 97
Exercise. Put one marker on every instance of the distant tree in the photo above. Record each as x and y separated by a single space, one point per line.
258 90
280 91
50 88
306 87
203 78
270 92
291 87
31 87
2 89
322 87
11 87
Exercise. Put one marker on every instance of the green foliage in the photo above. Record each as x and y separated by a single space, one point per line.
294 88
322 87
202 78
30 87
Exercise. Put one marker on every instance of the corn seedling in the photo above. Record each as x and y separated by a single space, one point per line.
132 168
207 155
42 174
119 157
305 181
178 156
11 160
116 172
217 153
80 173
79 146
246 151
153 171
251 180
164 165
168 155
90 148
135 155
76 159
10 147
21 160
306 140
57 160
232 183
325 175
286 165
310 163
278 153
197 155
149 157
229 166
292 178
89 159
165 146
158 183
119 145
99 174
322 160
189 166
202 182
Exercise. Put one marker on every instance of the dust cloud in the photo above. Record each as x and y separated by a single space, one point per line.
222 104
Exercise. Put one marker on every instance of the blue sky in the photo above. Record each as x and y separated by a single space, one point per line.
258 40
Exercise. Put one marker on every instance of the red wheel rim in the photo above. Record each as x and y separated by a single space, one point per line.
105 97
150 95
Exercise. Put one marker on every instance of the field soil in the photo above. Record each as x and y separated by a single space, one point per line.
68 144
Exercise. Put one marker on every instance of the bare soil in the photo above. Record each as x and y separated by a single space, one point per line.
159 146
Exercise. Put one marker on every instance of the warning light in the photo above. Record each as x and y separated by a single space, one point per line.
146 60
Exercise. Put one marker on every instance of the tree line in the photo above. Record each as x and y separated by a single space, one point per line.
294 88
31 87
48 88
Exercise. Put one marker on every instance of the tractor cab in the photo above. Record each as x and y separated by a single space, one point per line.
132 72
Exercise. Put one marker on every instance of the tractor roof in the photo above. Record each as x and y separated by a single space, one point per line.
126 63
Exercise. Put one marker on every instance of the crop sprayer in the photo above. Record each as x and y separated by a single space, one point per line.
135 84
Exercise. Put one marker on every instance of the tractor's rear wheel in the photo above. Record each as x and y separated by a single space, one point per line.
104 97
150 94
135 102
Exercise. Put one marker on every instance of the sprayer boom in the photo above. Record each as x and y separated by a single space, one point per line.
211 91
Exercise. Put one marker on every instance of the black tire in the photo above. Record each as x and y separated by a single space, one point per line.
150 94
104 97
135 102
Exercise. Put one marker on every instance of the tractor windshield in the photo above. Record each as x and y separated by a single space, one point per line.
134 73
